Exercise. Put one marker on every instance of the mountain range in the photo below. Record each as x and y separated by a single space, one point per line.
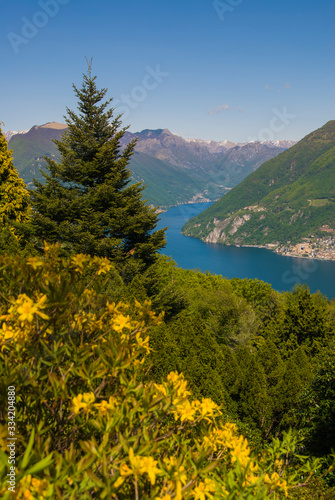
289 198
175 170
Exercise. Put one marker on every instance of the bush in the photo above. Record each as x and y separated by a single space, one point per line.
87 424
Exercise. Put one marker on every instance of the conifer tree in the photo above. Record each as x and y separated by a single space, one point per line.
87 204
14 197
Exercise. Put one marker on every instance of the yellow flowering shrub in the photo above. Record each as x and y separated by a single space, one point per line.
89 425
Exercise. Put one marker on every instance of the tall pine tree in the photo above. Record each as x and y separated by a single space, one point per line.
87 204
14 197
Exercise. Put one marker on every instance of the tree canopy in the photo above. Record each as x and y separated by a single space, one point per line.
87 203
14 198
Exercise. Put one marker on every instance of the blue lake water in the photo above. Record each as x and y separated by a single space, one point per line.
242 262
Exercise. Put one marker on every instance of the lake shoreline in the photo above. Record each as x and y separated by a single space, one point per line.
289 254
282 271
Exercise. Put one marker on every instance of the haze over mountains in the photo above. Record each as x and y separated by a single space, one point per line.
288 198
175 170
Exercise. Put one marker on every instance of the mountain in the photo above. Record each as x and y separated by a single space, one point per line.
29 149
196 154
175 150
288 198
175 170
215 167
11 133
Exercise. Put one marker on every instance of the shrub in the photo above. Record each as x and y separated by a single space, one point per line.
87 424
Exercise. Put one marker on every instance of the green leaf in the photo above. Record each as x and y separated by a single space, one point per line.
26 455
42 464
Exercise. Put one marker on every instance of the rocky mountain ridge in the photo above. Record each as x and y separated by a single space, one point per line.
175 170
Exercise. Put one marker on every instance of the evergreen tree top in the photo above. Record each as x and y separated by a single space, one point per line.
14 198
88 203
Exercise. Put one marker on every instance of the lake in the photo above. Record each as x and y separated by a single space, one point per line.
242 262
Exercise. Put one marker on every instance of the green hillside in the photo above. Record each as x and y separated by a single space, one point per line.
166 184
29 150
289 197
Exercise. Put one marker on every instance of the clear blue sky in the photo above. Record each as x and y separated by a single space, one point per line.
226 70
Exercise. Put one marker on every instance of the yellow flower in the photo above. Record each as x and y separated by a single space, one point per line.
139 465
143 343
135 461
121 322
240 451
204 490
278 464
161 390
88 397
31 488
124 472
79 261
275 482
104 264
207 407
40 304
170 461
174 377
26 308
6 332
34 262
82 401
148 465
185 411
114 308
46 246
77 403
103 407
180 474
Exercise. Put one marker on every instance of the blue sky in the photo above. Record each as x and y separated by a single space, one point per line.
231 69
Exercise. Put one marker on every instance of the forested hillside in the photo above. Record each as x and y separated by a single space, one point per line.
288 198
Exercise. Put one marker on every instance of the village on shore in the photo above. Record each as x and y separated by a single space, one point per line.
311 248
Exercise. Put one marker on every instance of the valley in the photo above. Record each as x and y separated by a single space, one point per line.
175 170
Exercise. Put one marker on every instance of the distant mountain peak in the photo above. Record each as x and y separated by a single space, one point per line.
11 133
54 125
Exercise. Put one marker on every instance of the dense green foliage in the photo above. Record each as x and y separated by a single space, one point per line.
14 198
293 196
100 408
